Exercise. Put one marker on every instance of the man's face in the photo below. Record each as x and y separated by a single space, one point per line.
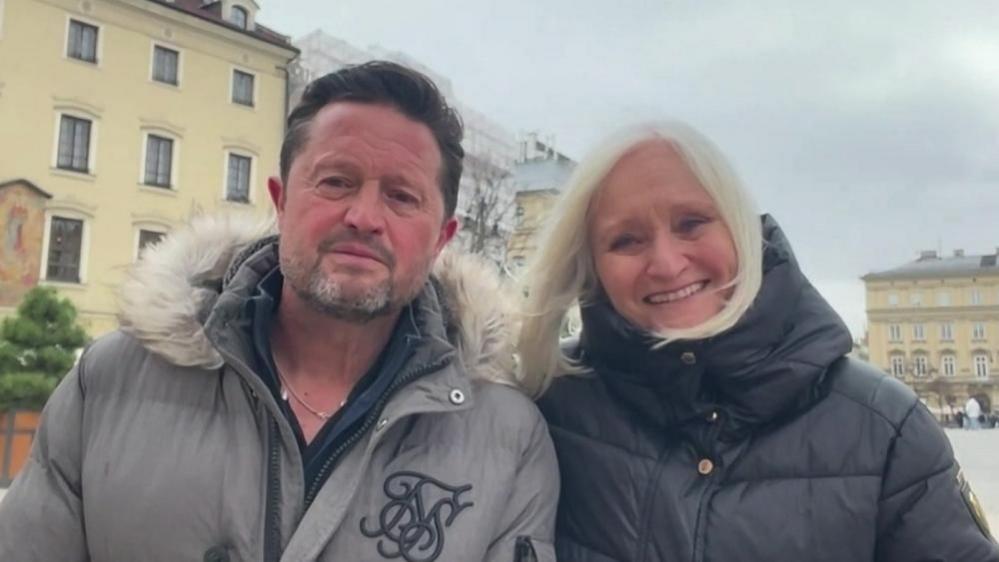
362 215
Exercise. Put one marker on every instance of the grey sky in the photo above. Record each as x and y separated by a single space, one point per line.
870 130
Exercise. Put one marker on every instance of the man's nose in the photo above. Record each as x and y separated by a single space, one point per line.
366 211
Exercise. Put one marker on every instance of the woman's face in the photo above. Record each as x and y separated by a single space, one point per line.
659 244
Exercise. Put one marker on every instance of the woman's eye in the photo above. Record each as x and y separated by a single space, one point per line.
690 224
623 242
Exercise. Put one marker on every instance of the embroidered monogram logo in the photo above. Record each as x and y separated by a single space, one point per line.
411 525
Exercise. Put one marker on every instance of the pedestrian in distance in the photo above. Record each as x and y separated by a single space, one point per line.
972 414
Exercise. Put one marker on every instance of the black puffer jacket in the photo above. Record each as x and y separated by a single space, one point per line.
763 444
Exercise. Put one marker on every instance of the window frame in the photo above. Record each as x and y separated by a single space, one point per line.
98 41
943 298
245 14
916 298
918 332
980 360
146 227
896 363
894 332
893 299
91 169
975 298
920 365
251 176
948 360
946 331
152 63
174 159
84 246
978 331
253 88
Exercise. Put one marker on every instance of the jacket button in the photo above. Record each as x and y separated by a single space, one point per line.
381 424
688 357
216 554
705 467
457 397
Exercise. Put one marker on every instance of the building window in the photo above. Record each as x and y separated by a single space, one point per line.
981 366
948 365
242 88
894 333
947 331
920 366
976 297
74 144
165 65
82 43
240 17
159 161
65 250
978 331
147 237
897 365
918 332
916 298
943 298
237 187
892 299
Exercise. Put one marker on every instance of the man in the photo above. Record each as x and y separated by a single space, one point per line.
312 396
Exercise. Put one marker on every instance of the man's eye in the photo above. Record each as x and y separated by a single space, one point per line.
404 197
336 182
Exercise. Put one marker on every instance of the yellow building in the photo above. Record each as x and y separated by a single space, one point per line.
539 175
118 119
934 323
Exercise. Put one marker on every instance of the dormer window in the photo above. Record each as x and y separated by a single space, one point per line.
240 16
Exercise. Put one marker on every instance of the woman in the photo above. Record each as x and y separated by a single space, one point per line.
710 412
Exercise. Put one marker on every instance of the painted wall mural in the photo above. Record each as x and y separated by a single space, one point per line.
22 214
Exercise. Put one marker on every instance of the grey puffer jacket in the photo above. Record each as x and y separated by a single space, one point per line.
162 445
762 444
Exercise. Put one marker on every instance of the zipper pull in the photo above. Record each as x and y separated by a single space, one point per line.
523 550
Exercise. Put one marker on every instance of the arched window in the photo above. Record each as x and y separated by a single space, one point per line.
981 361
240 16
948 365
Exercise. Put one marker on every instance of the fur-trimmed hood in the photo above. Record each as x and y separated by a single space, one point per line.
169 293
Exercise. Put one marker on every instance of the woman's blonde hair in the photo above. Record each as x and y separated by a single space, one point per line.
561 274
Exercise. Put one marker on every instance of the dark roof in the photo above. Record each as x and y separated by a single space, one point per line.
28 184
934 267
213 12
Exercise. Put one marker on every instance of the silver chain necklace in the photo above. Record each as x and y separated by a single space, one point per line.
286 388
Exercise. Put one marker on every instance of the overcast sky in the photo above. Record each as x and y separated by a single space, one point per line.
870 131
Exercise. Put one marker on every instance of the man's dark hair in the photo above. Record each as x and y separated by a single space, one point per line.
382 82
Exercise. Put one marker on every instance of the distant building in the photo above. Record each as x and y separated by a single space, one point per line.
934 324
539 175
120 118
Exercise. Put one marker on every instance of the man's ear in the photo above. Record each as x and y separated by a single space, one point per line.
278 193
448 230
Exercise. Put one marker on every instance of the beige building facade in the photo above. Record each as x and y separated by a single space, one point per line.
934 324
121 118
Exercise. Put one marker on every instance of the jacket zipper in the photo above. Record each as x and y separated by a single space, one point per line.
272 515
523 550
368 422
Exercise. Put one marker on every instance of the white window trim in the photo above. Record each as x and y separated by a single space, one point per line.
975 335
91 155
137 229
253 175
945 359
983 359
975 299
84 245
256 87
916 298
947 334
919 332
893 299
174 158
916 361
943 298
180 63
900 360
894 332
99 63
